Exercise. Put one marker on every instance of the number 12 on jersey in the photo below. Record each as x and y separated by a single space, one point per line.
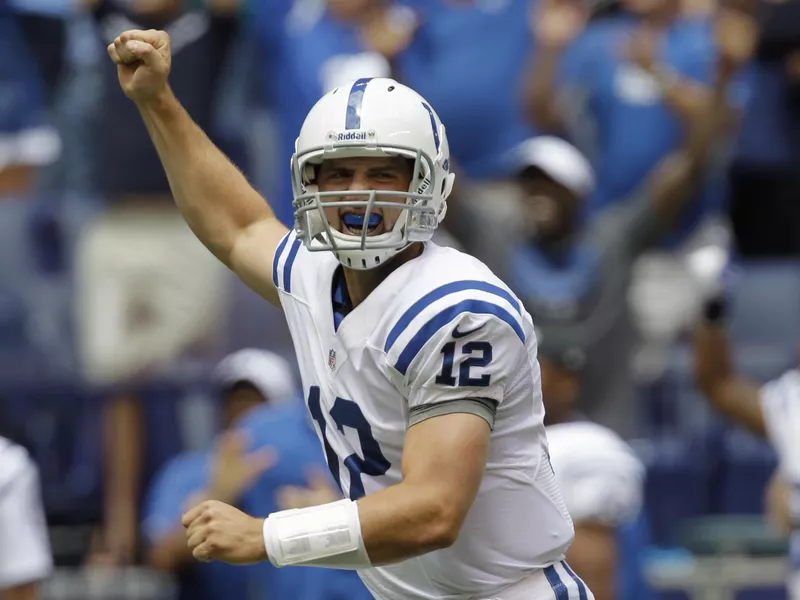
346 413
483 350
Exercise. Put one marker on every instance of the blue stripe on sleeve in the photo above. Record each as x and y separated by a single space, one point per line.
287 268
277 258
427 331
441 292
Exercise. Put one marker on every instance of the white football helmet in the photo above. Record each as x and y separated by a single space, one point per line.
371 117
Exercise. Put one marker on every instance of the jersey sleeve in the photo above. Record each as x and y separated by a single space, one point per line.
296 271
24 544
780 403
459 355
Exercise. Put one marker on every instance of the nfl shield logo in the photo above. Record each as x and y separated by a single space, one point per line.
332 359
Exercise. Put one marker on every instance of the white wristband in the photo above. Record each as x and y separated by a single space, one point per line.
306 535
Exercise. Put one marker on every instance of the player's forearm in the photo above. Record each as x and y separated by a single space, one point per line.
540 89
215 198
406 520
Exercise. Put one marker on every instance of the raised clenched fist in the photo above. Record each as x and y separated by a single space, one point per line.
143 61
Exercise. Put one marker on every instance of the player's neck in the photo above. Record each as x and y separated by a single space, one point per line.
361 284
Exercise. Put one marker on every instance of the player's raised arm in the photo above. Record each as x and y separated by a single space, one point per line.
216 200
443 463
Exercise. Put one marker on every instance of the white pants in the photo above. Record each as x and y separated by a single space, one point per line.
147 290
557 582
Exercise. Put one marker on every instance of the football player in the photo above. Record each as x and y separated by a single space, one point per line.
419 365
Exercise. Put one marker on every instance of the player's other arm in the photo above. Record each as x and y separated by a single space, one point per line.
220 206
443 462
731 394
444 457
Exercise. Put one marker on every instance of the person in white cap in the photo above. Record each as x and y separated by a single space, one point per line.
573 276
251 377
246 382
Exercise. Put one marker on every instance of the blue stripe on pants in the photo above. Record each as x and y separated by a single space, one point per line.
581 586
559 589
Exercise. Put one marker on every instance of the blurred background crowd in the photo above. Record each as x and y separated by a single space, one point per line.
136 375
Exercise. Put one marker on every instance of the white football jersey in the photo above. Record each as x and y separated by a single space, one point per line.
24 545
440 331
600 476
780 403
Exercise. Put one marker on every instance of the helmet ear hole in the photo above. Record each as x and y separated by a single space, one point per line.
447 185
309 173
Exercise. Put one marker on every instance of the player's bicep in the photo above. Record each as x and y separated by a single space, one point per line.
254 254
448 453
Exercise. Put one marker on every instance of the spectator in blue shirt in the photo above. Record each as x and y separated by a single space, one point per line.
267 444
605 82
467 59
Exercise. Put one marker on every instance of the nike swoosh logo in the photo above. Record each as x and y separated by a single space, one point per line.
460 334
